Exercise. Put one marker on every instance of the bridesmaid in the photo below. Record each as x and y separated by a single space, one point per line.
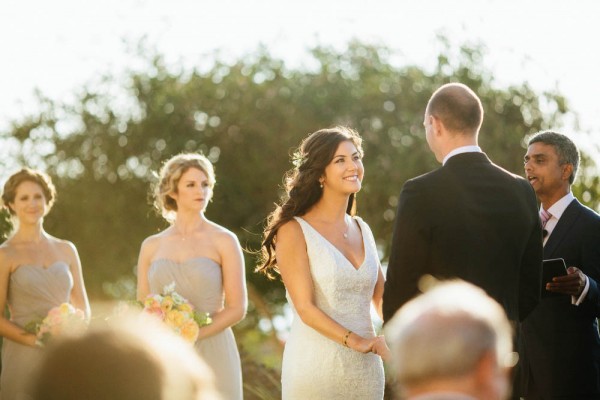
37 272
203 259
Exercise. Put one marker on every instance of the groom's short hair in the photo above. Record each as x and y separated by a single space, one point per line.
445 332
458 107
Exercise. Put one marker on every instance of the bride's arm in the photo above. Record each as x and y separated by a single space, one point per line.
380 347
378 293
293 264
234 285
7 329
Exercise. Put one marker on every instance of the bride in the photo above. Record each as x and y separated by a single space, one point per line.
329 265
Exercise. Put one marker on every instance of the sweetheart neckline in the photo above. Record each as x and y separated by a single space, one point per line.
187 261
59 262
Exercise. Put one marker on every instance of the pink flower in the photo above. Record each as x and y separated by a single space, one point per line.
62 319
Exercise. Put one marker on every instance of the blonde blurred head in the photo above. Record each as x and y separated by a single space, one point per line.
133 357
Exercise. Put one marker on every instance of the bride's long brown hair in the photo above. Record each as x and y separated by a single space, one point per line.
302 187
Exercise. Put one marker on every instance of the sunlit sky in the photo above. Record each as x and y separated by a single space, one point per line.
57 46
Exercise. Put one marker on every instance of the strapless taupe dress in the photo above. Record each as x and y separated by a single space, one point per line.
32 292
200 281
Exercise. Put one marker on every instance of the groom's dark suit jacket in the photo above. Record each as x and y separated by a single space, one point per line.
561 342
473 220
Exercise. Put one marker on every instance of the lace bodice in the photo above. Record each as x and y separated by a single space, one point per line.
342 291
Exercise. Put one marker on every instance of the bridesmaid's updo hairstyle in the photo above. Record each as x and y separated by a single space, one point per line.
28 175
302 186
169 176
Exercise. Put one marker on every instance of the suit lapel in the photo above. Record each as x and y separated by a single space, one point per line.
562 228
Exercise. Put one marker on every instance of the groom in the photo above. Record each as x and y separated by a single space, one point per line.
469 219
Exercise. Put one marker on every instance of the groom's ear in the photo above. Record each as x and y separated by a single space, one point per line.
437 125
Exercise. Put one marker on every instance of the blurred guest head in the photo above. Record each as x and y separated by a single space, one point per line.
138 359
452 339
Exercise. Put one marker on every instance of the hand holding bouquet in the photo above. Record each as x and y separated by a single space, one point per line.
176 312
60 320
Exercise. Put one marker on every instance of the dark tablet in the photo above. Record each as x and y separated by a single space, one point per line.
550 269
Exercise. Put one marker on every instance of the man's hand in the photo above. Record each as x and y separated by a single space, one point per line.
381 349
572 283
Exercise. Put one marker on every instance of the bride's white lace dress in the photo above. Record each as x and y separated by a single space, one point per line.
314 366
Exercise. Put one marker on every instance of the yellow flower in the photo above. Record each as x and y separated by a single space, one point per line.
189 331
167 303
65 308
186 307
175 318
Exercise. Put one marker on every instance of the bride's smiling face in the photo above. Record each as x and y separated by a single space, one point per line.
194 191
345 172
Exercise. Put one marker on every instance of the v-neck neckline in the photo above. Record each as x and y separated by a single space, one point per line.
356 268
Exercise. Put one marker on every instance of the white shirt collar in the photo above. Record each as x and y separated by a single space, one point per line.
463 149
557 209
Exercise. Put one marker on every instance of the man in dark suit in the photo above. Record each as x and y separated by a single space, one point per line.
469 219
562 346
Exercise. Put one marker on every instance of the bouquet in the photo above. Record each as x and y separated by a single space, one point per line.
176 312
62 319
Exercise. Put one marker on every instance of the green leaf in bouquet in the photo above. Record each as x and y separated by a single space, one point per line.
33 326
202 319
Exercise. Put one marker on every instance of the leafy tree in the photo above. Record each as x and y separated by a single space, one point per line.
247 116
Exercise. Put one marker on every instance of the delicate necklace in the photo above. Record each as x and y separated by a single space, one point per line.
347 228
183 236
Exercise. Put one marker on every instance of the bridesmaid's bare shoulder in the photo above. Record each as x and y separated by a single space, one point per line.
157 238
7 257
222 237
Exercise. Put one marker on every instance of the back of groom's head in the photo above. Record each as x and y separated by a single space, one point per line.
457 107
453 337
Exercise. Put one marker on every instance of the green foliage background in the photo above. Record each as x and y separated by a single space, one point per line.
247 116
